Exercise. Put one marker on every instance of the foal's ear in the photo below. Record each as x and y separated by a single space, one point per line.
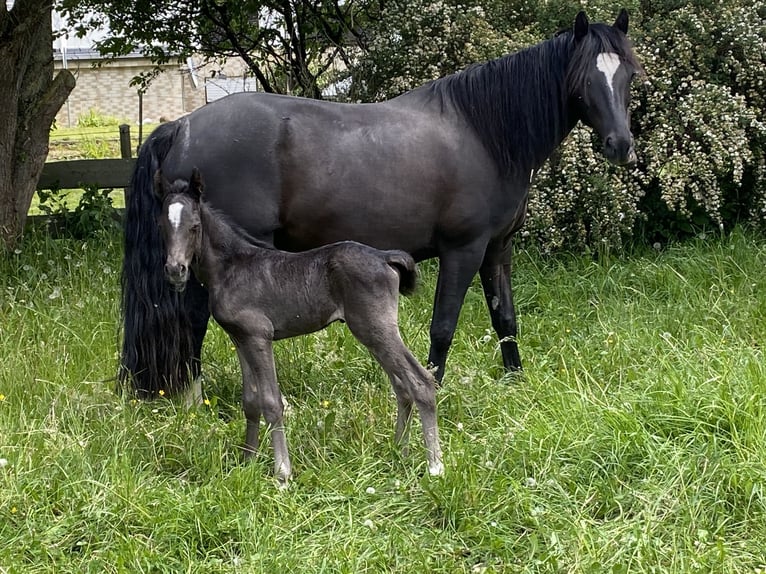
622 21
196 185
581 26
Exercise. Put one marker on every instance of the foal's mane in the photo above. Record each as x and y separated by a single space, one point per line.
517 104
230 235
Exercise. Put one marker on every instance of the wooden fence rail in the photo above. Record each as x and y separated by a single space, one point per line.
80 173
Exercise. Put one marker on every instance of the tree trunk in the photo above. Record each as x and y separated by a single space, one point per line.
30 97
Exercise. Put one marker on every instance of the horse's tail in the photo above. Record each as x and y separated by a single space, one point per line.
407 269
157 347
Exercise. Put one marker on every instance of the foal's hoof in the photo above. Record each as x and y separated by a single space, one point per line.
436 469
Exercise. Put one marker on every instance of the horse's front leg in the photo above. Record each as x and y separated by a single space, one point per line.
456 270
198 314
250 405
495 275
259 356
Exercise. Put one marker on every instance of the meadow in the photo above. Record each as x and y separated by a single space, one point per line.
634 440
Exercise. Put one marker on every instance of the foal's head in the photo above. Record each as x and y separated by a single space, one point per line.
599 80
180 225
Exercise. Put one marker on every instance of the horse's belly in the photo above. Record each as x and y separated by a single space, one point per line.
303 322
371 221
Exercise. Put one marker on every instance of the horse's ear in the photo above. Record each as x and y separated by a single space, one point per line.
581 26
196 186
622 21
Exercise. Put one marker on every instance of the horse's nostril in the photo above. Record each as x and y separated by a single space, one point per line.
176 269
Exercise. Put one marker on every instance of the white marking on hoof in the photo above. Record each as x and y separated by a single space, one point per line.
174 214
436 469
608 63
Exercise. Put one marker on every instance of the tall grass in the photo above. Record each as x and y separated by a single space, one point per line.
634 441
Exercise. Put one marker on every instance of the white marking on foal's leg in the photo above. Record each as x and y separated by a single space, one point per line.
174 214
608 64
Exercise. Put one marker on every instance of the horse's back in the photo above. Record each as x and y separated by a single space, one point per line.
305 173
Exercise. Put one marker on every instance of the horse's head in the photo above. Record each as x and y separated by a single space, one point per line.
599 79
180 225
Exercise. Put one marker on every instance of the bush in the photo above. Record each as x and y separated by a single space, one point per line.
95 119
93 213
698 115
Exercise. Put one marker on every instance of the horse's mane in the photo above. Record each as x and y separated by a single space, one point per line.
508 100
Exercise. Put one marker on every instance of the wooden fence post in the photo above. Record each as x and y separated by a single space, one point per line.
125 152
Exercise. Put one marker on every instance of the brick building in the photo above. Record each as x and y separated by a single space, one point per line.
107 90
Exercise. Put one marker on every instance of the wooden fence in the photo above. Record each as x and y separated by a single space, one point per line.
100 173
83 173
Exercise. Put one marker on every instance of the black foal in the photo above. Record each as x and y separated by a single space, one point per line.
259 295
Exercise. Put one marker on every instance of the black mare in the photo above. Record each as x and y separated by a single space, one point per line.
441 171
259 295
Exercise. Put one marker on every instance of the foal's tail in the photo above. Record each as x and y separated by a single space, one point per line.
157 347
407 269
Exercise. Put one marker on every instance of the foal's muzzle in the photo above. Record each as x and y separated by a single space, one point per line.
177 275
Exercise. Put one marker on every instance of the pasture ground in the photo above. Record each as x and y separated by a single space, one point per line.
635 440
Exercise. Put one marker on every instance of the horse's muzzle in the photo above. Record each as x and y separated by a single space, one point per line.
177 275
620 150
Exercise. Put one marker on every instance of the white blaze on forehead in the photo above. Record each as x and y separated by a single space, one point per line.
174 214
608 63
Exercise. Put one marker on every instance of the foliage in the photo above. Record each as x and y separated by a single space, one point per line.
93 214
95 119
413 42
699 114
286 45
632 443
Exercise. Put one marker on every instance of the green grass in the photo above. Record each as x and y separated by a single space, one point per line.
635 440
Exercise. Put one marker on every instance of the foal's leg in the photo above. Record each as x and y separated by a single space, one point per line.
456 270
411 382
495 275
250 405
259 356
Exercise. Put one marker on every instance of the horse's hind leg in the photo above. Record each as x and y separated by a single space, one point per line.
495 275
410 381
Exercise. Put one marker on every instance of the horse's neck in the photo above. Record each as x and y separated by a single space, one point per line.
220 242
517 104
